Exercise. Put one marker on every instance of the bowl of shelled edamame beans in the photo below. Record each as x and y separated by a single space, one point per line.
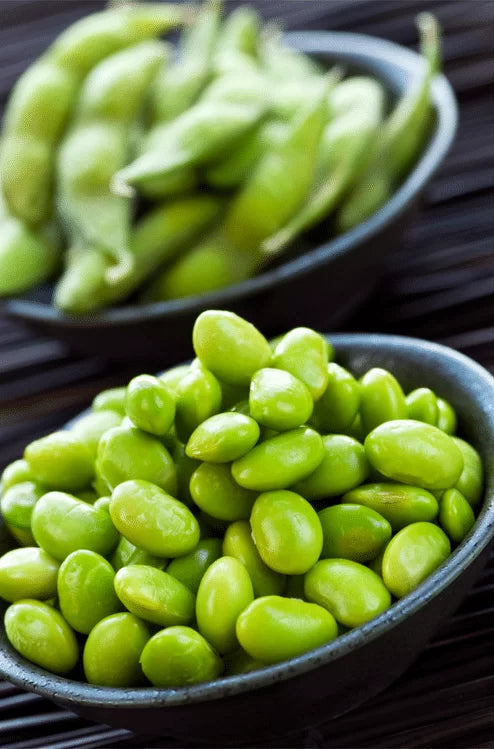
251 170
252 542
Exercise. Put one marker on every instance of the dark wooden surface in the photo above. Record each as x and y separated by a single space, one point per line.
440 286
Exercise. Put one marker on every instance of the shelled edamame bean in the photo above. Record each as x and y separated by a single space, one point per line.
187 537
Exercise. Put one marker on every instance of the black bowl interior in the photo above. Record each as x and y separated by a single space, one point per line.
341 272
336 677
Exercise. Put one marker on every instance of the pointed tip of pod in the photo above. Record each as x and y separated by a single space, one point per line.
121 270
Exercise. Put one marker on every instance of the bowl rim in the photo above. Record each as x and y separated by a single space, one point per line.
347 45
19 671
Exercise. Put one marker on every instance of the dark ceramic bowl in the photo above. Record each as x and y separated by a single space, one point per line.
320 287
339 676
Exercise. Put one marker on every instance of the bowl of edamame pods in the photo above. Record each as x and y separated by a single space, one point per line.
243 169
252 542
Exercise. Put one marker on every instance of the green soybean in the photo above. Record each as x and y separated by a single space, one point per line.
381 398
89 429
455 515
128 553
287 532
224 592
190 568
17 504
129 453
223 438
304 353
178 657
15 473
471 481
414 453
238 543
185 468
62 524
198 396
153 520
232 348
353 532
85 590
113 649
446 416
273 629
214 490
354 594
412 555
280 461
150 405
41 634
112 399
28 573
278 400
343 467
338 406
422 406
154 595
60 461
400 504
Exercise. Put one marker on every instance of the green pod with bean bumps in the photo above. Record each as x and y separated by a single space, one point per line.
60 460
40 633
231 347
414 453
304 353
223 438
224 592
153 520
278 400
43 98
178 657
456 516
154 595
400 504
286 531
150 405
28 573
85 590
113 649
190 568
126 453
214 490
471 481
273 628
412 555
338 405
62 524
280 461
354 594
238 543
343 467
353 532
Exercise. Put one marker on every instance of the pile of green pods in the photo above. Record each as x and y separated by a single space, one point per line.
230 513
133 169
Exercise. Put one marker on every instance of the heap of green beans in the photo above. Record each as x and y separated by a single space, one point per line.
231 513
127 165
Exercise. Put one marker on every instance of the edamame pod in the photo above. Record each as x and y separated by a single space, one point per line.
273 629
153 520
237 47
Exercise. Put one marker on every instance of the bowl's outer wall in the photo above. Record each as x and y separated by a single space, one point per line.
343 674
322 288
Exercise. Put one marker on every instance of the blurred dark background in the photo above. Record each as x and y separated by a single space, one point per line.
439 285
